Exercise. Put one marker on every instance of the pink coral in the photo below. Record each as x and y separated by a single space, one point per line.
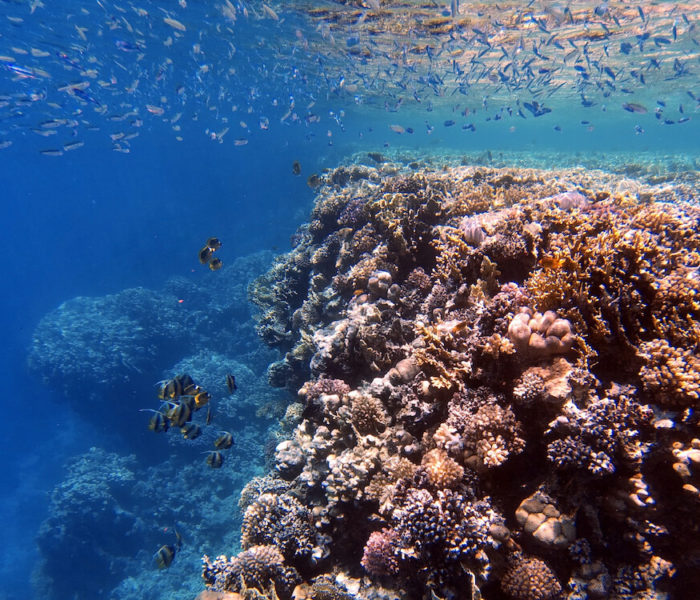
379 557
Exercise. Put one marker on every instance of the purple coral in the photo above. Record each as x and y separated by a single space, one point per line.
599 436
379 557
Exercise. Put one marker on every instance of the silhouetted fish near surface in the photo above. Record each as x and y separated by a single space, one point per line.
231 383
633 107
536 108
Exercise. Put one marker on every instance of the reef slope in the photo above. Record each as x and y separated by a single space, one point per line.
497 378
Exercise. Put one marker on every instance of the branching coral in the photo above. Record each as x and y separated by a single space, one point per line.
281 521
670 375
607 269
257 567
442 471
604 434
488 433
528 334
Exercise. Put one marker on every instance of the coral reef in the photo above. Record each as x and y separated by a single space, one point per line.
497 381
99 352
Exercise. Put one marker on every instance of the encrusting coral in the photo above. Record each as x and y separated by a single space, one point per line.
497 375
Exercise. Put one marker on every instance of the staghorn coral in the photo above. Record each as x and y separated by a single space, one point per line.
602 268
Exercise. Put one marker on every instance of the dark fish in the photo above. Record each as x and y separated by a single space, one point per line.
296 167
633 107
207 421
536 108
214 244
157 422
625 47
449 123
215 460
189 401
205 255
201 399
224 441
191 431
231 383
175 387
164 557
179 414
215 264
313 181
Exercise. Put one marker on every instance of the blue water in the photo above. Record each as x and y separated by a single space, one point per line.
94 222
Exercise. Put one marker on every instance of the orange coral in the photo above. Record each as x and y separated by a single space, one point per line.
442 471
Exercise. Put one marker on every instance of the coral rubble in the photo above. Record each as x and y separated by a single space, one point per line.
498 384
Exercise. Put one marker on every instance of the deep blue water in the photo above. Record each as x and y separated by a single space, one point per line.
94 222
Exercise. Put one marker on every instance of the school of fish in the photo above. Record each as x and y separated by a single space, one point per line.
180 398
235 69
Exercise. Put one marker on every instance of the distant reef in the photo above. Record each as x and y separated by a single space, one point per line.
96 349
498 382
111 512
